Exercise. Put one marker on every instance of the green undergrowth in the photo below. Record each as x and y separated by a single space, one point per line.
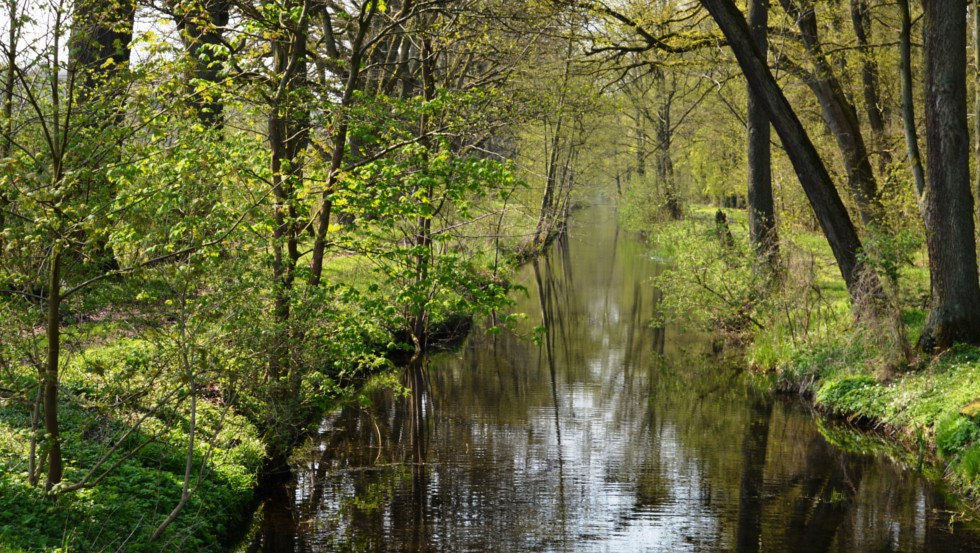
126 506
799 336
122 386
936 406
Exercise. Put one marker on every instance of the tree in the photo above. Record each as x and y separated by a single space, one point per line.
860 279
948 202
838 111
908 104
762 216
201 31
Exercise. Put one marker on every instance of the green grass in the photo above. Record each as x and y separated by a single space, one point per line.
125 507
809 343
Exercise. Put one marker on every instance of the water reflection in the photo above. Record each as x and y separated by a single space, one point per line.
612 435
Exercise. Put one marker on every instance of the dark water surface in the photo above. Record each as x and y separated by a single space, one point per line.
610 436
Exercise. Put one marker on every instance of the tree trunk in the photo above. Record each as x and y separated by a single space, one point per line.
908 104
873 106
664 134
840 116
817 184
99 51
8 103
762 212
340 140
201 31
976 91
100 39
955 310
288 137
53 322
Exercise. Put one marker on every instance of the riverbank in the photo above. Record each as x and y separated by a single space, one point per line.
799 337
144 469
130 469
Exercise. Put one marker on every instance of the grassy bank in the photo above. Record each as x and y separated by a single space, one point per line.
123 509
799 336
138 376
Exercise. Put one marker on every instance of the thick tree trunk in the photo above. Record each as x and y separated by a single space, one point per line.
817 184
908 104
762 212
99 51
976 100
100 39
201 31
840 116
955 310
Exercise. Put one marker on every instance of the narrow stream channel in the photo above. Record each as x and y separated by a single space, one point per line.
611 435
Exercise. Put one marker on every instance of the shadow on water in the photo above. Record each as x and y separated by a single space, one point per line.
612 434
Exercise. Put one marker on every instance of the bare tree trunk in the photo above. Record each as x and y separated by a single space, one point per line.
665 164
908 103
839 114
51 427
955 311
976 92
873 106
813 175
762 212
547 213
340 139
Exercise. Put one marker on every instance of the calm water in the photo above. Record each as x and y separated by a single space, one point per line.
611 435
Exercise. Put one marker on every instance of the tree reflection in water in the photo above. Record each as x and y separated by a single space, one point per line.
613 435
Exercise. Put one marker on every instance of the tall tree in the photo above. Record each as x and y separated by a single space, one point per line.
762 213
870 81
948 203
826 203
200 24
908 103
838 111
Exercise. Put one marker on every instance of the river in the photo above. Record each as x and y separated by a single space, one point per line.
588 429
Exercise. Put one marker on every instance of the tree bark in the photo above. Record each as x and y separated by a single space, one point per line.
908 103
201 32
762 212
99 51
873 106
53 322
288 137
8 104
955 310
839 114
100 40
817 184
340 141
976 100
665 165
